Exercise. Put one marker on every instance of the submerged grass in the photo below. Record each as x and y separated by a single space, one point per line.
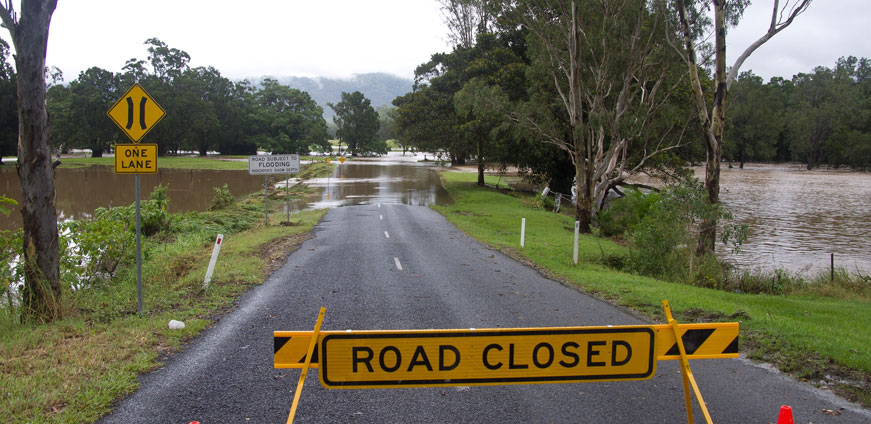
74 369
812 337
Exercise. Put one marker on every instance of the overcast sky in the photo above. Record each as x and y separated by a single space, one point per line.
339 38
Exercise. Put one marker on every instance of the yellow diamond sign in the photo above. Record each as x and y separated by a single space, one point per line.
136 113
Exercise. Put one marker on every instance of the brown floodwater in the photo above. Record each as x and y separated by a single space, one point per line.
798 218
364 182
80 191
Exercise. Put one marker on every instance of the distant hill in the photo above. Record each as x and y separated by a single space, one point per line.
380 88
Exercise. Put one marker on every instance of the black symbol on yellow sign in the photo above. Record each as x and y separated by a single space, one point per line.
125 113
142 103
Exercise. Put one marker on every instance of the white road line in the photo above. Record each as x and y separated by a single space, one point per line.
398 265
379 205
381 217
386 234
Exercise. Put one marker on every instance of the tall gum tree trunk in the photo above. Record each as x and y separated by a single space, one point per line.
42 289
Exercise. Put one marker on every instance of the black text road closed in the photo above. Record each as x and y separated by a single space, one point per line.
409 358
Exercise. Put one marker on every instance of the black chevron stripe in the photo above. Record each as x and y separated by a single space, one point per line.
279 343
692 340
733 347
314 357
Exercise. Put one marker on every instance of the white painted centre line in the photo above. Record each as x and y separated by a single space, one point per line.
398 265
386 234
381 217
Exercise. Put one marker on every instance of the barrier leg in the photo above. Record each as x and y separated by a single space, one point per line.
686 372
305 366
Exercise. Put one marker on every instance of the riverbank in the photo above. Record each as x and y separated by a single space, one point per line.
75 369
816 339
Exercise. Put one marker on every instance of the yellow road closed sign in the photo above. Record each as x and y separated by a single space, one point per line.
412 358
138 158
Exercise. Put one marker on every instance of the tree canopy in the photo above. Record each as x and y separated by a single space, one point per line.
357 124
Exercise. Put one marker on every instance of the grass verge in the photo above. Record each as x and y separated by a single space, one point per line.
218 163
822 340
73 370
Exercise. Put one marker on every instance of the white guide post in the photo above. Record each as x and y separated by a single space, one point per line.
217 249
522 231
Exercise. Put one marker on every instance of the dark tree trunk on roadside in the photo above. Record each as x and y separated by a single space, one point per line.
97 152
42 289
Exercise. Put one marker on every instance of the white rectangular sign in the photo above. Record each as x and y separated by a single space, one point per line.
273 164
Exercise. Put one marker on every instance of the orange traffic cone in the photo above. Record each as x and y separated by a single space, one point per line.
785 416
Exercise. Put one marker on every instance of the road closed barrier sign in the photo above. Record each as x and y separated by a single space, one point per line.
486 357
497 356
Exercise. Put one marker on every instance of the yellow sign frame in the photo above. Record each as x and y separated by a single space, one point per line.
124 113
139 163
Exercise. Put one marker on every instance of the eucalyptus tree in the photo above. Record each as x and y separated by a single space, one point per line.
611 76
29 33
713 121
8 105
466 19
357 124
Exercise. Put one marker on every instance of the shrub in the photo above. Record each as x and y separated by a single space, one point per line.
93 249
626 212
222 198
663 243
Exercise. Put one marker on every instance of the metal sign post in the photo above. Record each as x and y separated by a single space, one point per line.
136 113
287 195
272 164
266 197
138 250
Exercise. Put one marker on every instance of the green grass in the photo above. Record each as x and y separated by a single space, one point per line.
217 163
805 335
73 370
166 162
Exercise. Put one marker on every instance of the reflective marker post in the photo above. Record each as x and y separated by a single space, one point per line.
577 230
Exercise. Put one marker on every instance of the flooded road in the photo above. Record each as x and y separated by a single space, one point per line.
797 218
370 182
82 190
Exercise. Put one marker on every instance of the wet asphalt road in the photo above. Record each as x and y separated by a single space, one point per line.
447 281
